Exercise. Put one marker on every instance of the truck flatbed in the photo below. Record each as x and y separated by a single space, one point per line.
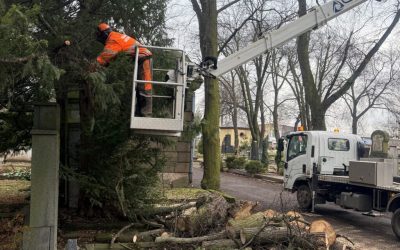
345 180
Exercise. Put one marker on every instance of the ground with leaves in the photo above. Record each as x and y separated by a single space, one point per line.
14 195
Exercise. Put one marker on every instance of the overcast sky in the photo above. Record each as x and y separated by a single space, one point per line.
183 28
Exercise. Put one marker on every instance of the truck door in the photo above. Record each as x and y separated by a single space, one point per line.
297 159
335 151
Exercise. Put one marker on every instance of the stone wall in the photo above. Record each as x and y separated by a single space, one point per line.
179 156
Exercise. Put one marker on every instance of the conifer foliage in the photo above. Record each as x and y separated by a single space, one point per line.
36 65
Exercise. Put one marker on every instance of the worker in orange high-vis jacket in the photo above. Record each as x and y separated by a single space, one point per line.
115 43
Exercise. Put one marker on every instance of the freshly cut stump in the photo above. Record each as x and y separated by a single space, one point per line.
322 226
296 219
245 210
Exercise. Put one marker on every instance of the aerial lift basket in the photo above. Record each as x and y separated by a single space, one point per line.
173 124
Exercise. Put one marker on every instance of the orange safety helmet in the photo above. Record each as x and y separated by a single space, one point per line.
103 31
103 27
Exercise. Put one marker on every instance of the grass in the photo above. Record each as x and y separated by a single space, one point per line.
10 191
184 193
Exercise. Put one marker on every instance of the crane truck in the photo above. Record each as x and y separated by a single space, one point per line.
316 168
323 166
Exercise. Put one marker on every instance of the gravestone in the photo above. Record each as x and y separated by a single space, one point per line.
42 232
380 144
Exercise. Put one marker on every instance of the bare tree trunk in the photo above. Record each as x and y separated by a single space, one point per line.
354 126
235 121
275 117
207 16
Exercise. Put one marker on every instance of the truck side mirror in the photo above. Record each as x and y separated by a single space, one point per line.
281 145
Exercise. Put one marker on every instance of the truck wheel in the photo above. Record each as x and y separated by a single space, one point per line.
396 223
304 197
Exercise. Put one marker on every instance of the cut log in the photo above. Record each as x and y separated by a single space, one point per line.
194 240
282 235
269 214
127 237
208 216
314 241
165 209
274 218
183 221
245 210
227 197
342 243
149 235
296 220
322 226
219 244
233 226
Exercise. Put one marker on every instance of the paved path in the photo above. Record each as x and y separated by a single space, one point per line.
367 232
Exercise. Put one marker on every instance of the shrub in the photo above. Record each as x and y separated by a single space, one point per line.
229 161
281 171
22 174
200 146
254 167
235 163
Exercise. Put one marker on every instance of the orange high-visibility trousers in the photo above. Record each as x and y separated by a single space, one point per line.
146 74
144 97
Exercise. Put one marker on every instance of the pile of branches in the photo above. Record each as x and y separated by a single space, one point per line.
212 222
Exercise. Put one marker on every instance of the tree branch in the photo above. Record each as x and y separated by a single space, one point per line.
227 6
339 69
18 59
196 8
221 48
340 92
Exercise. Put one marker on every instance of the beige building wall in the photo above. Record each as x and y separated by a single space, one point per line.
244 135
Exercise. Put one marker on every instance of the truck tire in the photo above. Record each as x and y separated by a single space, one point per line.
396 223
304 197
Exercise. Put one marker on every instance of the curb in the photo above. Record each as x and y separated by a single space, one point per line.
271 178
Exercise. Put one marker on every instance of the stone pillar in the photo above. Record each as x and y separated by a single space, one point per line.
42 233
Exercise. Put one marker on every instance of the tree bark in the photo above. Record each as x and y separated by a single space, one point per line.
234 227
205 217
354 125
127 237
235 119
176 240
313 99
219 244
207 17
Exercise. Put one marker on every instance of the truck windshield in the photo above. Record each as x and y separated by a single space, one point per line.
297 146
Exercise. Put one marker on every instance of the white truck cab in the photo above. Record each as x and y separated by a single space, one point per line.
331 152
